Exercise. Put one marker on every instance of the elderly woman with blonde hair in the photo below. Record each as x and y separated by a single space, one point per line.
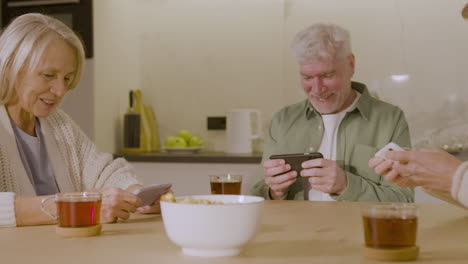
42 151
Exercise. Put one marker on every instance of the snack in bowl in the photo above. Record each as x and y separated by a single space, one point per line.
219 225
169 197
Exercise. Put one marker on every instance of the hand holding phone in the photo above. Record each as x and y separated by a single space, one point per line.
296 160
149 194
389 147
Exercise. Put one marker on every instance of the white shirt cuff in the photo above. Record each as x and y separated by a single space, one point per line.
7 209
460 184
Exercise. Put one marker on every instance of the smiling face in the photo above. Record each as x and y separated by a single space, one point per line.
327 83
41 90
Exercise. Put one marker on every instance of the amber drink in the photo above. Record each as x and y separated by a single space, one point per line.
76 210
390 226
226 184
78 213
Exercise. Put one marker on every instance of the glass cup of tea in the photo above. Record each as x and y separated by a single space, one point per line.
391 227
78 213
226 184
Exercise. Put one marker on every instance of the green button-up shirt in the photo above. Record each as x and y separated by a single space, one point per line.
298 128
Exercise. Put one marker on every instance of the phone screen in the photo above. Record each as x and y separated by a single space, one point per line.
151 193
296 160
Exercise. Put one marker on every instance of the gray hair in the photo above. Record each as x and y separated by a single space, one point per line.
23 43
321 41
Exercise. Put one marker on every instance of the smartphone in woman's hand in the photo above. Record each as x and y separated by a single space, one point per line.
149 194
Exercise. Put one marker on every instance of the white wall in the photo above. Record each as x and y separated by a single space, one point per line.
79 103
194 59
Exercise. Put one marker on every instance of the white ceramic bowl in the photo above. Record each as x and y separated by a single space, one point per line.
213 230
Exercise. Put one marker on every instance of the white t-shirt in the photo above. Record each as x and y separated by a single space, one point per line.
327 147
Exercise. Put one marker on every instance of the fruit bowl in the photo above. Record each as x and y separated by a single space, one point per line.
212 230
186 150
183 143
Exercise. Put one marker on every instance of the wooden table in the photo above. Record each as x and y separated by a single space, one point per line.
291 232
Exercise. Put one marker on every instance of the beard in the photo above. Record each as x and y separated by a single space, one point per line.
329 106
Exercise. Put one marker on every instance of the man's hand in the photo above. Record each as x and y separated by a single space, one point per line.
278 184
325 175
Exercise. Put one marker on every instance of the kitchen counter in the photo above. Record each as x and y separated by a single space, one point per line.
290 232
212 157
200 157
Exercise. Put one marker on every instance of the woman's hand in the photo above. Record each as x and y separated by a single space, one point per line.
429 168
117 203
147 209
154 208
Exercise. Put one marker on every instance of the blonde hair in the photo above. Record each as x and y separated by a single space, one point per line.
23 43
321 41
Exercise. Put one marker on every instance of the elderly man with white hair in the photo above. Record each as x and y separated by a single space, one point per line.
340 119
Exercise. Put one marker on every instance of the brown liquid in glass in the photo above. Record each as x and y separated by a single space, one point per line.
225 187
390 232
78 214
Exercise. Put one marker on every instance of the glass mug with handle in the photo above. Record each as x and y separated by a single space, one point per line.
78 213
390 231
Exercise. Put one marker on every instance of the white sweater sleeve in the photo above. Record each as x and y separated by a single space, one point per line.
7 209
99 169
460 184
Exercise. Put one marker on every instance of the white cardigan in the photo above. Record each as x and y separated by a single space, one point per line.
460 185
75 161
458 194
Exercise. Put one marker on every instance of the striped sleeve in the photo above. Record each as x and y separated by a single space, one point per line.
7 209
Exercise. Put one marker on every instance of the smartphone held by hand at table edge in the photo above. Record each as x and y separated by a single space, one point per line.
149 194
296 159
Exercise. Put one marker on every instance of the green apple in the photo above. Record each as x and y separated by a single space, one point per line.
185 134
180 143
195 142
170 142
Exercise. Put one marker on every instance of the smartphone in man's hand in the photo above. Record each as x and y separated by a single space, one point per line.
296 160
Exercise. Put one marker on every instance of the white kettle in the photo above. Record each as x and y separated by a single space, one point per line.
239 130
